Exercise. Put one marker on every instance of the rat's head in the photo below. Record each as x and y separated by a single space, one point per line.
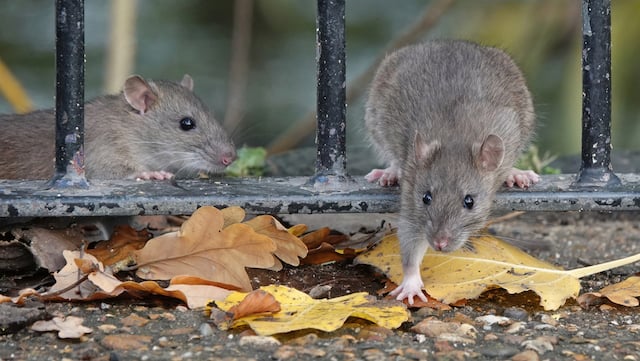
176 131
447 191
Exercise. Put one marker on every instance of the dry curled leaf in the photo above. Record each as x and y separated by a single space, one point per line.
289 248
623 293
203 249
124 241
67 327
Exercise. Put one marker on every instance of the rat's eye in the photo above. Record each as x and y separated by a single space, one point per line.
187 123
468 202
426 198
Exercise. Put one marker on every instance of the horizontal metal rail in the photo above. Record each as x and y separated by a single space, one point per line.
284 195
330 190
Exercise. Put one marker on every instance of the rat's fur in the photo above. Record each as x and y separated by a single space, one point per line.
450 118
126 135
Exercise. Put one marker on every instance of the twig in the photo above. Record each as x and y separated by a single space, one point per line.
305 126
239 63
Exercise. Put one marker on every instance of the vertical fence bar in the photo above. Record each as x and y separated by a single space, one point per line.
331 90
69 166
596 167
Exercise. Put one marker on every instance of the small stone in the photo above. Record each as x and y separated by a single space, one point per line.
541 344
133 320
205 329
516 313
490 320
374 355
528 355
516 327
260 342
549 320
491 337
498 350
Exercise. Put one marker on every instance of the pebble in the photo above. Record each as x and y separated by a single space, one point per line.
516 313
528 355
260 342
498 350
205 329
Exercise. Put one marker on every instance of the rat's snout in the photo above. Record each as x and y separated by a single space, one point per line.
442 242
228 157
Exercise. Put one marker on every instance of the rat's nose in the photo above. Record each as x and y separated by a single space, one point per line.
441 242
228 158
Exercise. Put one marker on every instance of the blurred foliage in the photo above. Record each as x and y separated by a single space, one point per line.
193 36
250 162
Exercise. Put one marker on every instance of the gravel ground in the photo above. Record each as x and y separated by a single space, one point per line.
160 329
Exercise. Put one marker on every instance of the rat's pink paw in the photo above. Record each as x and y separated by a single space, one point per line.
410 287
157 175
521 178
385 177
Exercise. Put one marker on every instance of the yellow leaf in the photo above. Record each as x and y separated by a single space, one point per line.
624 293
203 249
299 311
467 273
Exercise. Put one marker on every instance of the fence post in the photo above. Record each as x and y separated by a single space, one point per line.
596 167
69 164
331 92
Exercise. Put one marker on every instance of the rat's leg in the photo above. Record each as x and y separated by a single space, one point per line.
521 178
385 177
157 175
413 251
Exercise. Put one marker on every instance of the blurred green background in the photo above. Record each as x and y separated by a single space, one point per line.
194 36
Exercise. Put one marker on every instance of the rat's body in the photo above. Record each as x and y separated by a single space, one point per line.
151 130
450 118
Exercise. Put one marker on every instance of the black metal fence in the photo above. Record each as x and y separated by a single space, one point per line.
595 187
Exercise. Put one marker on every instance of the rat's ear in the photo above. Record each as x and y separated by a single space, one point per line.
187 82
490 154
139 94
424 152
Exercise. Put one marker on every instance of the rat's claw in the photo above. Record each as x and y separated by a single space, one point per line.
410 287
521 178
385 177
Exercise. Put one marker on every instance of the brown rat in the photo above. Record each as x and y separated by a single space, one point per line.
150 130
450 118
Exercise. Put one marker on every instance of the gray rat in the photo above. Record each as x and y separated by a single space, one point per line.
150 130
450 118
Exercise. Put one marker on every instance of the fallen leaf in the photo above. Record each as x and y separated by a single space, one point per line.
256 302
100 284
624 293
124 241
233 214
289 248
67 327
299 311
203 249
325 253
489 263
316 238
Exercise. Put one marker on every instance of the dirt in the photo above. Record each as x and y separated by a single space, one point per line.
163 329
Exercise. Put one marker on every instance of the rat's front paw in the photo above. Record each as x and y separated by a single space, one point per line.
385 177
410 287
521 178
157 175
